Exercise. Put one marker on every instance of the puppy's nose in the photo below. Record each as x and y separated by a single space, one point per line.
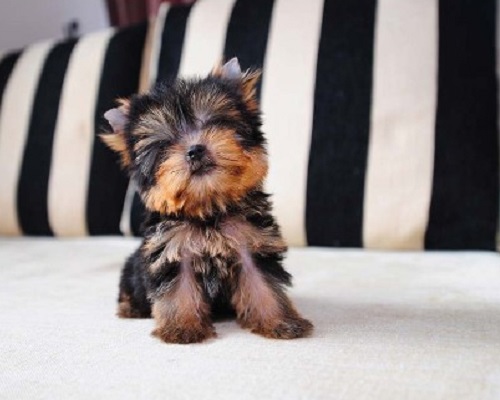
195 152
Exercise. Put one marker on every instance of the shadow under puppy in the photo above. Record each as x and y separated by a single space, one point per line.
197 154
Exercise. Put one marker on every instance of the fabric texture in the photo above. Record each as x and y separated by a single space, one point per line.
57 178
388 326
381 116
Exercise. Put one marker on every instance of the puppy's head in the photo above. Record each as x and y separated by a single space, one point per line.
193 146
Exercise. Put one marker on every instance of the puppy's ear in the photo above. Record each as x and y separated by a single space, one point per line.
248 80
116 141
249 83
230 70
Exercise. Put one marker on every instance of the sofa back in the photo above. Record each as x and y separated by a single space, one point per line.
381 120
57 178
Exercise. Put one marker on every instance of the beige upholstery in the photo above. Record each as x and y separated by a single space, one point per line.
388 326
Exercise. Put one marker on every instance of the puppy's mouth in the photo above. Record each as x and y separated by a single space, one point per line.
200 168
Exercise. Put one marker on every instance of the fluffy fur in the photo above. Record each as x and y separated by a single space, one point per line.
211 245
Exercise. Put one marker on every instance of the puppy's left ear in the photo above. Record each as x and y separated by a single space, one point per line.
230 70
116 140
248 80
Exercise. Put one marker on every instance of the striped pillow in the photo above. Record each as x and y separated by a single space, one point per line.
381 115
56 178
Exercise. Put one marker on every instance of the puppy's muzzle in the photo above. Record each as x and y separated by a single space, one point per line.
197 157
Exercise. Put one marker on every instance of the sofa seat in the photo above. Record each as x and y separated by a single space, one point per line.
388 326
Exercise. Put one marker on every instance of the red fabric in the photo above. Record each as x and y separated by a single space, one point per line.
129 12
154 5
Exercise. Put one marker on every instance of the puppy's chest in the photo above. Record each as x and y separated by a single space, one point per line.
220 243
211 241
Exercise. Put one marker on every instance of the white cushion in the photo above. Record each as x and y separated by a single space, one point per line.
388 326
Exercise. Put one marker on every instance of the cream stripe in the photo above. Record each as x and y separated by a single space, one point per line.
288 104
205 36
14 124
144 77
126 218
157 43
149 69
401 153
74 136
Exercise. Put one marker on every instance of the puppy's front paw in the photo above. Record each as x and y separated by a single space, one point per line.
184 335
286 328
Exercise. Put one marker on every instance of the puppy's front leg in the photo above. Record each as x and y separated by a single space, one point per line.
181 312
261 303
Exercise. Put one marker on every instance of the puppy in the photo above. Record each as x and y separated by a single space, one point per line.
197 154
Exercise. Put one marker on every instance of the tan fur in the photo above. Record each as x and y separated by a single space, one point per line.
249 87
198 241
182 315
263 307
236 172
253 299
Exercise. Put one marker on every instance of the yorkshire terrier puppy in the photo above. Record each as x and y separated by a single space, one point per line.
197 154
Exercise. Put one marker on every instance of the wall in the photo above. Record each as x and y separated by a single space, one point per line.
25 21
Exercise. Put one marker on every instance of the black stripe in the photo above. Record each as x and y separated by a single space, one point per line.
172 41
339 143
247 33
6 66
464 204
32 190
138 213
119 78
